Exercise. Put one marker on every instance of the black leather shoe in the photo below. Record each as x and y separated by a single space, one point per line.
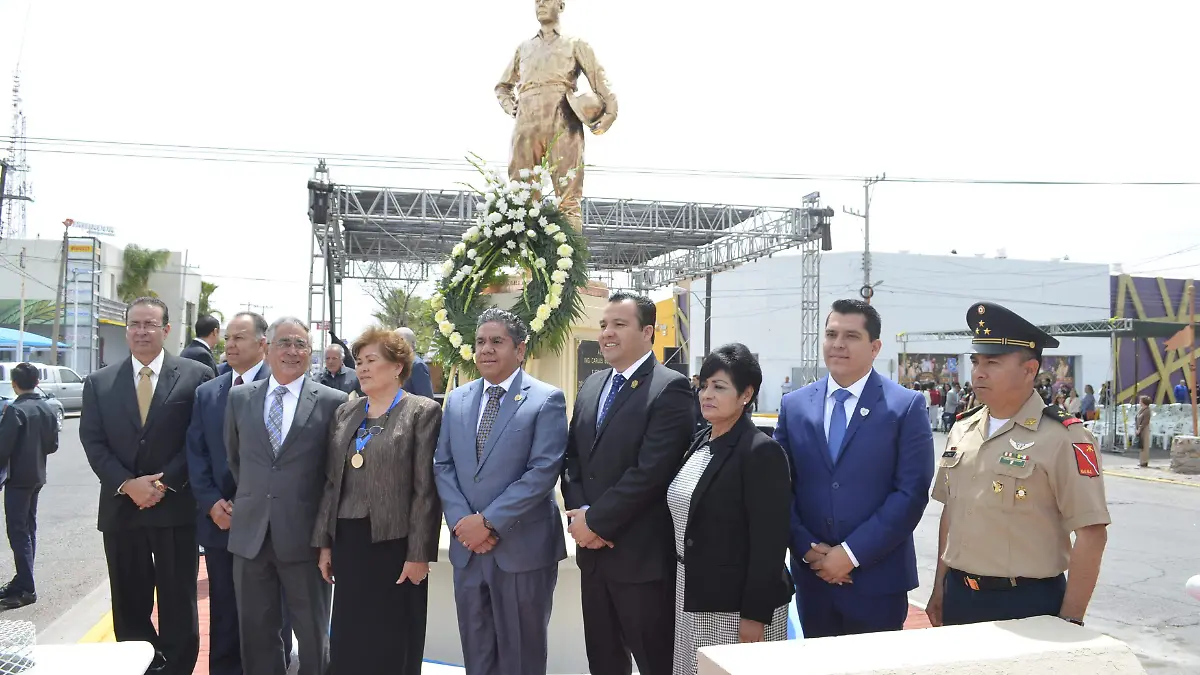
158 664
5 590
18 599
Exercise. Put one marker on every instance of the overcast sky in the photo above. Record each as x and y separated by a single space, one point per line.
1076 91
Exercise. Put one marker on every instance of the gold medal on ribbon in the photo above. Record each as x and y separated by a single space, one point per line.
357 460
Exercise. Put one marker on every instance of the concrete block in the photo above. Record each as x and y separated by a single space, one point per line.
1038 645
1185 454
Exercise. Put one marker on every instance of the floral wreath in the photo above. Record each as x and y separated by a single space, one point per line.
520 231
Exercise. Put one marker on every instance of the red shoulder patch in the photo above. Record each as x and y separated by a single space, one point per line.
1086 460
1068 421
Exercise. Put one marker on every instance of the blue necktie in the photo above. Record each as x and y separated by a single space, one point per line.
837 423
618 381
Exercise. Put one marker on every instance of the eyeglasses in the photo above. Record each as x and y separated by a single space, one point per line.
291 343
148 326
367 432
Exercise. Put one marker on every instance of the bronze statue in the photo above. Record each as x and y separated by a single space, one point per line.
539 89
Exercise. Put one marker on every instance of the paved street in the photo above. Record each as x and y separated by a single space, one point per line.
70 556
1153 548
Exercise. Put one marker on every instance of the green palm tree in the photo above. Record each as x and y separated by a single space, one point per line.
140 263
205 306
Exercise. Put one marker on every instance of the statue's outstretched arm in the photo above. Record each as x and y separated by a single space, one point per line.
506 89
600 85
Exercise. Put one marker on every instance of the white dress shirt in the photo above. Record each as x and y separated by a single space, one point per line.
483 400
627 374
249 375
851 405
155 367
202 343
290 401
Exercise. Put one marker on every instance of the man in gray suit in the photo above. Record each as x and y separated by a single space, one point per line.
498 457
276 436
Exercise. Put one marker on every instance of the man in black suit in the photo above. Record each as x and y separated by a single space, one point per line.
419 383
28 433
631 427
208 334
135 417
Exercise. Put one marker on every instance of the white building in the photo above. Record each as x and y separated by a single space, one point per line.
94 271
758 304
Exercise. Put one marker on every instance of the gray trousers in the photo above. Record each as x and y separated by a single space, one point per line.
258 583
503 618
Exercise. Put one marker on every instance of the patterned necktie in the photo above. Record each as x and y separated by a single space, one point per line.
145 392
275 419
237 381
490 412
618 381
837 423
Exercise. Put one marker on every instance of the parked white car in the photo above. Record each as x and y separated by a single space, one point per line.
58 382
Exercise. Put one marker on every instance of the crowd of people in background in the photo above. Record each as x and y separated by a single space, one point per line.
681 509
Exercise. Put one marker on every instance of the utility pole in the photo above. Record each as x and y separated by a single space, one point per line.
250 307
867 290
21 333
60 297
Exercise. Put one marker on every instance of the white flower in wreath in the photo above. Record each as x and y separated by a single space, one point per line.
495 217
531 234
522 197
472 254
571 173
564 263
524 174
437 302
562 182
537 325
472 234
545 224
556 301
512 186
540 263
557 287
519 227
503 230
487 233
456 340
543 312
519 215
458 250
502 207
535 212
510 245
447 268
446 328
558 277
441 316
552 228
466 353
561 237
565 251
538 170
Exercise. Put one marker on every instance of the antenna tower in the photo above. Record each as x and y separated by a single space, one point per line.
18 192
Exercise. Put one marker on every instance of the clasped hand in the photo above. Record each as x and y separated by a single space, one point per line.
583 535
832 564
474 534
222 514
142 491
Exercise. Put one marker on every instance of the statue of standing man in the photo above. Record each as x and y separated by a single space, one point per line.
539 89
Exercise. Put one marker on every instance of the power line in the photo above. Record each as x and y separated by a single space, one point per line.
145 150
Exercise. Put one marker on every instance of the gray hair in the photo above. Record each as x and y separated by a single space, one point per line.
284 321
341 352
516 328
409 336
260 324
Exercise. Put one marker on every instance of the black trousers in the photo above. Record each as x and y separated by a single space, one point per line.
962 605
623 619
163 559
20 519
378 626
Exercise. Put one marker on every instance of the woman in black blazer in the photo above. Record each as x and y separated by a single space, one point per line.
731 504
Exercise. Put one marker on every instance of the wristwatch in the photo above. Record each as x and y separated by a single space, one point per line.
488 524
1077 622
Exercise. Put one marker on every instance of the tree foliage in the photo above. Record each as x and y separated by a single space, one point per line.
399 305
139 264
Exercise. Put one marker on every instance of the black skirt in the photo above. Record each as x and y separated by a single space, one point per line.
378 626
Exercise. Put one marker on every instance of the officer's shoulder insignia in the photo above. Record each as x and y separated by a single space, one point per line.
1058 413
967 413
1086 460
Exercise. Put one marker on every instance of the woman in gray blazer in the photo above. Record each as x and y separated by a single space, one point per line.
379 518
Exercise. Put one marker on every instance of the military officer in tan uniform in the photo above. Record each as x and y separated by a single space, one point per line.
1016 478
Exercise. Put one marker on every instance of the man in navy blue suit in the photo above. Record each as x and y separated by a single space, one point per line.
862 458
212 483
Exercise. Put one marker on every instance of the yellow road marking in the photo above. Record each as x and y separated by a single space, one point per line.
101 632
1153 479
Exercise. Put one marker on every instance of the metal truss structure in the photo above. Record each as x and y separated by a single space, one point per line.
810 293
388 234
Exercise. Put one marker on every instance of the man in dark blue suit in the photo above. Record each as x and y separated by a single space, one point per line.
213 485
419 383
862 457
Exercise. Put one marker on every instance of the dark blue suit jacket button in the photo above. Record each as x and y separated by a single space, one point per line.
836 486
829 521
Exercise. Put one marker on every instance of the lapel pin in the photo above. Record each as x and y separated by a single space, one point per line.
519 398
864 412
633 385
1032 421
1022 493
1019 446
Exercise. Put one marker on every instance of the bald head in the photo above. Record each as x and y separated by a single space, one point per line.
409 336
